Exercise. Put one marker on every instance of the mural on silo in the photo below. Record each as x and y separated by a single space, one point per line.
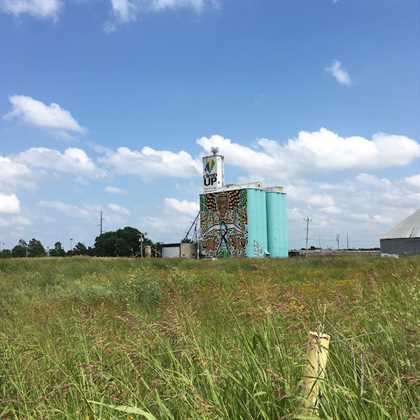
224 223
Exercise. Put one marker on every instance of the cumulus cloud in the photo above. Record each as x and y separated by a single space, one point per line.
38 8
337 71
150 163
113 213
9 204
115 190
413 180
188 208
14 174
116 208
127 10
15 221
196 5
365 206
124 10
50 117
322 151
28 168
84 212
72 160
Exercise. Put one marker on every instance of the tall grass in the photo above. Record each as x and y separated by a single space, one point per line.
206 340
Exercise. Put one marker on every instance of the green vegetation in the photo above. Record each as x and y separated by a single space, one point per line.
206 339
125 242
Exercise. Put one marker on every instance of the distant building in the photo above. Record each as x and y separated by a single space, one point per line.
247 220
171 250
404 238
179 250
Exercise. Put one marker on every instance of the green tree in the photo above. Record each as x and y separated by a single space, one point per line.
36 249
5 253
57 251
80 249
21 249
120 243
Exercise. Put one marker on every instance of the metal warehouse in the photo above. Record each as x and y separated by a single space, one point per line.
240 220
404 238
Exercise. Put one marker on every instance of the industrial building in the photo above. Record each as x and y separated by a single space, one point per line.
179 250
404 238
247 220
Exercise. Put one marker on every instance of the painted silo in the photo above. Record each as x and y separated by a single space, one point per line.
277 232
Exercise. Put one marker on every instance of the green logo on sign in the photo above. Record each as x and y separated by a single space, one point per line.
210 165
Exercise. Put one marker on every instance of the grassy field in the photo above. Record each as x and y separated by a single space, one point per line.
207 339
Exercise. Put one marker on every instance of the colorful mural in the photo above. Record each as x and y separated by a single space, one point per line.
224 223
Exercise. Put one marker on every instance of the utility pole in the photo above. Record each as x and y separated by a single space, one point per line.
141 239
347 240
307 220
337 238
101 219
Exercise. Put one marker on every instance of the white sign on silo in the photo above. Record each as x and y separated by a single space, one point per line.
213 172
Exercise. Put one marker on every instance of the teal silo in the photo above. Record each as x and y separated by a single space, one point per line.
257 241
277 232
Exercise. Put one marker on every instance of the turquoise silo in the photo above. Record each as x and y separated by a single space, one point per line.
257 244
277 232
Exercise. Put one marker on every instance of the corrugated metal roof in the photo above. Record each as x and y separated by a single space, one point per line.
408 228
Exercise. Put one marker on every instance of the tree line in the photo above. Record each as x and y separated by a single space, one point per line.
125 242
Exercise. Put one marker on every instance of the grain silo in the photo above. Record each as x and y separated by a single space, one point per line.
404 238
240 220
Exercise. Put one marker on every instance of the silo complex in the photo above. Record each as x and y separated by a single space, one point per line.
245 220
241 221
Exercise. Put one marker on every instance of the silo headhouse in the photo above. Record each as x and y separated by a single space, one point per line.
247 220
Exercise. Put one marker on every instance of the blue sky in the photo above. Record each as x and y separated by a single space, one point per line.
320 96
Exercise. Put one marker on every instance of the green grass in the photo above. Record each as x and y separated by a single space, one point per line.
206 339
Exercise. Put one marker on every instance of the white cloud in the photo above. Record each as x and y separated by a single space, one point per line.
413 181
50 117
116 208
17 222
196 5
238 155
322 151
115 190
128 10
188 208
84 212
72 161
114 214
38 8
150 163
366 206
28 168
9 204
14 174
339 73
124 10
